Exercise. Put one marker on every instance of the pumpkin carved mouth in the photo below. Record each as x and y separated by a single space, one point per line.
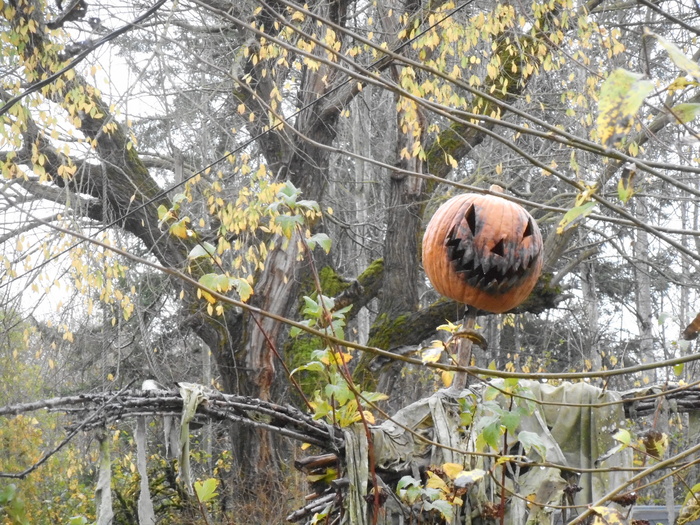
483 251
494 270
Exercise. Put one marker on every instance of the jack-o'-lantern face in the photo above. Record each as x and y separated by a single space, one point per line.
484 251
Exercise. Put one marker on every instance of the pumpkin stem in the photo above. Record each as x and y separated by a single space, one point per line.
495 188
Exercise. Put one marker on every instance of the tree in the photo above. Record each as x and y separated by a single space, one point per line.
253 112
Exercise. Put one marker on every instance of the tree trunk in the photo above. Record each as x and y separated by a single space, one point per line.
589 293
643 289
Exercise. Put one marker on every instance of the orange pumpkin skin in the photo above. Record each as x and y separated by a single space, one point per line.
484 251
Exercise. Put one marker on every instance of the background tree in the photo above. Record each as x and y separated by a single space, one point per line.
197 136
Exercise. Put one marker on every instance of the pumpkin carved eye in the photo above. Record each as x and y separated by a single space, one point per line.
484 251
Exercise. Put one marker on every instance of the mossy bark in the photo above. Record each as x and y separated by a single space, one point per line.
298 350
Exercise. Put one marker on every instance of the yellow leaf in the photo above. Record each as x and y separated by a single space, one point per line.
336 358
608 516
179 229
447 377
452 469
210 298
435 482
621 96
433 353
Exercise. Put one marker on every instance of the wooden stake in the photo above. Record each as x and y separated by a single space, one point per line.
464 350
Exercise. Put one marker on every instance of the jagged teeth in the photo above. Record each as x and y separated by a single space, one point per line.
492 286
475 281
491 272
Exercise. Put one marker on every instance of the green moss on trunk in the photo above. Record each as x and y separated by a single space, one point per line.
332 283
298 350
384 330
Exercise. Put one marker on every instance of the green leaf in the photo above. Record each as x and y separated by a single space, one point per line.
621 96
442 506
432 493
466 418
7 493
321 408
295 330
244 289
492 435
329 475
340 314
679 58
289 194
204 249
162 212
622 436
625 189
273 208
313 366
686 112
289 190
338 328
328 302
216 282
288 223
511 421
208 280
206 490
574 216
693 493
322 240
309 205
311 308
13 505
373 397
407 481
341 393
322 354
409 489
509 383
177 199
491 393
530 440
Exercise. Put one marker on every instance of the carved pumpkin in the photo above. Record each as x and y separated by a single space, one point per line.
484 251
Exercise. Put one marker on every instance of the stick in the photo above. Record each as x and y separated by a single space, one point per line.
464 350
